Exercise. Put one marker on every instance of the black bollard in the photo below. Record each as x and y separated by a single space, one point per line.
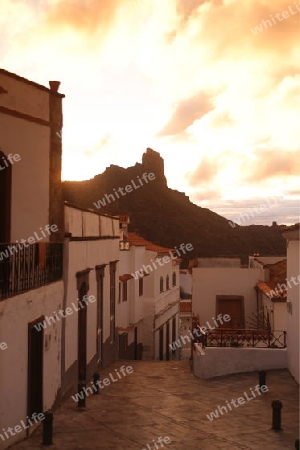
82 395
47 428
277 406
297 443
262 379
96 378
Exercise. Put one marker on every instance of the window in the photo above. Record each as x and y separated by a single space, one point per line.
5 199
167 282
125 291
174 279
112 284
161 284
141 287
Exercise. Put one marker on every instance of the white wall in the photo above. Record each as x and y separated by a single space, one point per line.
210 282
30 175
185 282
84 254
293 296
88 254
15 314
224 361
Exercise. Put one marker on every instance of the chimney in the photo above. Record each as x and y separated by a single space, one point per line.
54 85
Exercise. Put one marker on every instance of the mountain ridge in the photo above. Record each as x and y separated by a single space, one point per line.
166 216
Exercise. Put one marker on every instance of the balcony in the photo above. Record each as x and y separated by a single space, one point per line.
25 268
255 338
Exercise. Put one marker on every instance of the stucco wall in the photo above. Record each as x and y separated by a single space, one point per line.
83 255
293 295
30 175
210 282
223 361
15 314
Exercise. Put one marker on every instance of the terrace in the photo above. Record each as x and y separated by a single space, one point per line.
29 267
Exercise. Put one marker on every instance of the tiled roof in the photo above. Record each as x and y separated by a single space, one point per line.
139 241
125 277
185 306
278 274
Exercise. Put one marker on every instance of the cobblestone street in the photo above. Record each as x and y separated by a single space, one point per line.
161 399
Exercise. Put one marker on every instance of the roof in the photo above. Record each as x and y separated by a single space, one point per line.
125 277
185 306
89 210
139 241
277 281
32 83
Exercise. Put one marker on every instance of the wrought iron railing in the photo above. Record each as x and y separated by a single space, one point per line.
259 338
25 268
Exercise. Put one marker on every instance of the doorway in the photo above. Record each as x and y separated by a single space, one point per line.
161 344
82 332
233 305
35 367
167 342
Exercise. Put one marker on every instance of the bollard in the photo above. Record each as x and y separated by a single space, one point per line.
262 378
47 428
96 378
297 443
82 395
277 406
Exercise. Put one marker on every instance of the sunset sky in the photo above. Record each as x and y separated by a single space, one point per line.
192 79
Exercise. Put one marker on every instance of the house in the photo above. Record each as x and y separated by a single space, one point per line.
149 296
223 286
293 295
272 311
229 299
185 313
31 252
91 271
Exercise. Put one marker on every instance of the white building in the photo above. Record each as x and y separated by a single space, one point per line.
31 219
91 268
150 277
222 286
293 295
272 304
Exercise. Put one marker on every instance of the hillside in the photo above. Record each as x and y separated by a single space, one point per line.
166 216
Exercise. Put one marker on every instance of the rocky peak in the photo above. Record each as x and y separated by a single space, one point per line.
153 162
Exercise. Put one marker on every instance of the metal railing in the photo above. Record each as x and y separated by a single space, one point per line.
25 268
257 338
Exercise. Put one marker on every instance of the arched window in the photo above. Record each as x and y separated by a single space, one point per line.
174 279
5 198
161 284
167 282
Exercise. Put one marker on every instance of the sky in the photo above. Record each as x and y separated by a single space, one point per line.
212 85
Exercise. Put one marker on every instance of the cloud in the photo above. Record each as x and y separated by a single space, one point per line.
205 173
83 15
186 8
186 113
273 163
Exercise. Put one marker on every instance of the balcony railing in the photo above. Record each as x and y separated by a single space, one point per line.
258 338
25 268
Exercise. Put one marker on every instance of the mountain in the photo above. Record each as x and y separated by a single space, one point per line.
166 216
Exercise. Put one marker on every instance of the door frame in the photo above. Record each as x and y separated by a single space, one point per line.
35 389
237 298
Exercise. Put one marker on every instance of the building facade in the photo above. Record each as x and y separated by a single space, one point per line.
31 251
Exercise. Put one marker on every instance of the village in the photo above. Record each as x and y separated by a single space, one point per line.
89 294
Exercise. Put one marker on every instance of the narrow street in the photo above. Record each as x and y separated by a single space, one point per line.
164 399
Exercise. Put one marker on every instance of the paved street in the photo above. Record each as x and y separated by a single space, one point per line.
165 399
